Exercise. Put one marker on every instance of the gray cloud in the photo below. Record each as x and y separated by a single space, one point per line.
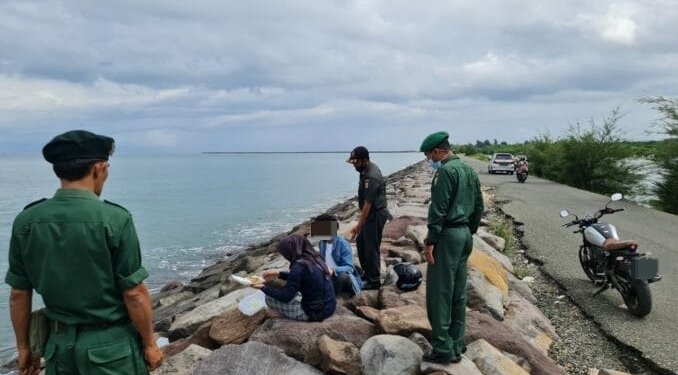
187 77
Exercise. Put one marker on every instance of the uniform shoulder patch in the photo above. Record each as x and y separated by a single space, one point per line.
116 205
34 203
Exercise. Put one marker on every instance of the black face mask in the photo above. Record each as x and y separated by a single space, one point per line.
359 168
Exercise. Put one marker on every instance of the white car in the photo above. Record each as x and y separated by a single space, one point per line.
501 162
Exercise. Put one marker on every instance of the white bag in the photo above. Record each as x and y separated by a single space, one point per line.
251 304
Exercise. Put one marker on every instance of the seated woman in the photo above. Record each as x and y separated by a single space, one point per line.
308 276
338 256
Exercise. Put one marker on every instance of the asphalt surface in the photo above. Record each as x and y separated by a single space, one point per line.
537 204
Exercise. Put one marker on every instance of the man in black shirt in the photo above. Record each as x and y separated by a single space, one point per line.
373 215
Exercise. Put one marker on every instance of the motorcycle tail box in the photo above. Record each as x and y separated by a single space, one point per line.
644 268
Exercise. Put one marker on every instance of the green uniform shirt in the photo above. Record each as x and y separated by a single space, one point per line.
79 253
456 199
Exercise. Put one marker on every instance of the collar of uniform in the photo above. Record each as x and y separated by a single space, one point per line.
451 157
75 193
367 168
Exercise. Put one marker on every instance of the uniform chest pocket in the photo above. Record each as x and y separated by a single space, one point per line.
112 359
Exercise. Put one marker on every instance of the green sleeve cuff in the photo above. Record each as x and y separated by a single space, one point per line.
17 282
132 280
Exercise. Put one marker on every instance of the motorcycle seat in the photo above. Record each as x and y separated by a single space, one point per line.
612 244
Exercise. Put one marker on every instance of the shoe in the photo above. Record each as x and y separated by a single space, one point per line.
434 357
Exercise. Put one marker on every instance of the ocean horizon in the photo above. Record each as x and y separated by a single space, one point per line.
192 210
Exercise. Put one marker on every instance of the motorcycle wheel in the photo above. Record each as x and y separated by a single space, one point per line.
586 261
638 298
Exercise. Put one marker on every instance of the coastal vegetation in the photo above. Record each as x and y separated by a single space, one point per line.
667 153
595 156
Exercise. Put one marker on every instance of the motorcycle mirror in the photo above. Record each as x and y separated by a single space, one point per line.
564 213
616 197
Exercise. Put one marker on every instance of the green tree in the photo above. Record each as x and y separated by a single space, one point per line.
595 158
667 154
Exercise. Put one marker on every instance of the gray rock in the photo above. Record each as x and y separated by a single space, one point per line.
483 246
521 288
184 362
421 341
526 319
390 355
481 295
496 242
252 358
298 339
491 361
187 323
391 261
417 233
465 367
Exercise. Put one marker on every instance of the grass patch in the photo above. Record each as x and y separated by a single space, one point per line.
520 271
504 229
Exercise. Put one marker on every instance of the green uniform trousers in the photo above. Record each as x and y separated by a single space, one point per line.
115 350
446 291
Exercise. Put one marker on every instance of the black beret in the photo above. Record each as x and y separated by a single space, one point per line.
433 140
78 144
359 153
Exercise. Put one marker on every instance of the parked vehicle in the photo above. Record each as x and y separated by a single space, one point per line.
611 262
501 162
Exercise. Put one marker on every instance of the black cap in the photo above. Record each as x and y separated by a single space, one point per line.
359 153
78 145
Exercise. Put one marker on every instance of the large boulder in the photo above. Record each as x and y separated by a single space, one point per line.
365 298
480 245
187 323
417 233
491 361
495 241
390 355
200 337
407 255
521 287
481 295
184 362
465 367
234 327
298 339
338 357
502 337
252 358
404 321
526 319
396 228
390 296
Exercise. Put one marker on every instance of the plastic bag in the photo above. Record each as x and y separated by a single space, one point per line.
251 304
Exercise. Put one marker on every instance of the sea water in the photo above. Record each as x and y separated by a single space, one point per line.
192 210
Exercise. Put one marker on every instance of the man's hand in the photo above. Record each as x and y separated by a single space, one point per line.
154 357
331 269
257 286
26 365
269 275
354 232
428 252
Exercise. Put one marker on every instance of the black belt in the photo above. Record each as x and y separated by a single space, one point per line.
455 225
62 327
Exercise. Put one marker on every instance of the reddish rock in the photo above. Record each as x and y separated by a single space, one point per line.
298 339
404 321
499 335
201 337
234 327
369 313
339 357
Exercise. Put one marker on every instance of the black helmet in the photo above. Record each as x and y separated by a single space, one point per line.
409 276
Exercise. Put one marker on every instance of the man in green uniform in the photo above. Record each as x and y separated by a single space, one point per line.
454 215
82 256
373 215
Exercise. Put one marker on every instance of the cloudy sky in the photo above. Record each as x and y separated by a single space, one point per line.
184 77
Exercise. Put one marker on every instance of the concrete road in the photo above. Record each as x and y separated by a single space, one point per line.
537 203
